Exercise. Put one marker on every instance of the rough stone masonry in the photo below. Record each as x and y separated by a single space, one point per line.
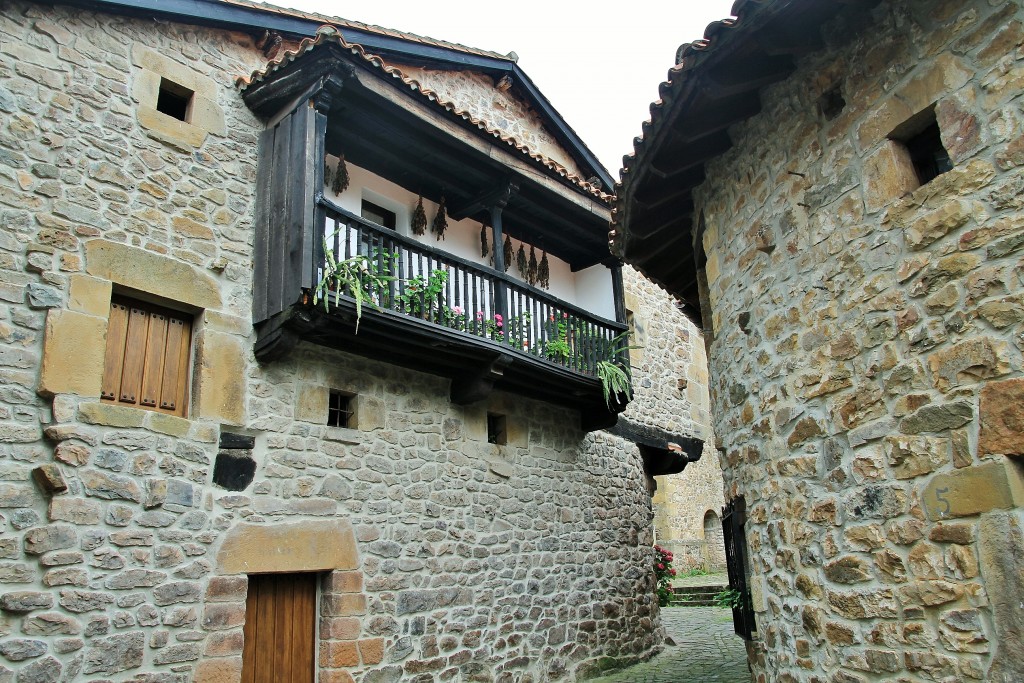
127 536
867 355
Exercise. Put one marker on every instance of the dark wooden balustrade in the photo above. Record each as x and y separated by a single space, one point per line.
465 297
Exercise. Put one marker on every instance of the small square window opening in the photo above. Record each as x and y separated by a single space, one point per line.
341 408
496 432
174 100
921 137
378 214
831 103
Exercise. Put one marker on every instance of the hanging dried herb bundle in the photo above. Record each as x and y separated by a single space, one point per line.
531 273
485 249
328 173
521 262
440 221
419 219
507 248
340 177
544 271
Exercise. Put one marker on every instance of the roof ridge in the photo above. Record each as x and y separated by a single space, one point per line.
332 33
372 28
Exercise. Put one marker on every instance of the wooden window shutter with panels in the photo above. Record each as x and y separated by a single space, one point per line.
280 629
147 357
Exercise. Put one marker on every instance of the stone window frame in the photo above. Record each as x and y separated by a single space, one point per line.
205 116
74 345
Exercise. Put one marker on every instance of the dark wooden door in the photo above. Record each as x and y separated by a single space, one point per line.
280 629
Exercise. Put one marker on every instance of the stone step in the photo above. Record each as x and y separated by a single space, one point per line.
691 602
698 590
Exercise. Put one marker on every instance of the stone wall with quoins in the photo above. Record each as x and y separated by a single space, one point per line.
670 378
866 358
440 556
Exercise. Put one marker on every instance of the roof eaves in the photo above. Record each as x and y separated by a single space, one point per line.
333 34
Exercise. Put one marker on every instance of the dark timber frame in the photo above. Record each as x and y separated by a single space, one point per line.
327 101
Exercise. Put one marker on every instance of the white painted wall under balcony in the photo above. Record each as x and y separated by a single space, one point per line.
589 289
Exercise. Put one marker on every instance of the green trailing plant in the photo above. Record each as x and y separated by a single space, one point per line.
730 598
419 218
341 179
359 277
423 295
614 374
663 574
440 221
507 249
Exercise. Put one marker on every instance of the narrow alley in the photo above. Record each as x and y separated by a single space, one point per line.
706 651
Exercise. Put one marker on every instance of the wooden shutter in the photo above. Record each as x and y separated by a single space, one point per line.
280 629
146 360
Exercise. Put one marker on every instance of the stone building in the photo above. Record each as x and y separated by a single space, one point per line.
669 368
835 189
200 463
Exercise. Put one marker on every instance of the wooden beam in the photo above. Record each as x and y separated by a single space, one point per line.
676 160
496 197
458 133
746 74
715 116
478 384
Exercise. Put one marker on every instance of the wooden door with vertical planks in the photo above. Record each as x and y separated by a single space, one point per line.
280 629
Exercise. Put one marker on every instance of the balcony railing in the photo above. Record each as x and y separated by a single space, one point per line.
469 298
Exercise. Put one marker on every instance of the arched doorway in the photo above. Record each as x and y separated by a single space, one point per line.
714 550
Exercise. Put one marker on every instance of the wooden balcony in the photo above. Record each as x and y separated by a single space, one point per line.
435 312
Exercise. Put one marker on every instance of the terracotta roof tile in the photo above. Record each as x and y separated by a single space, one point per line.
331 33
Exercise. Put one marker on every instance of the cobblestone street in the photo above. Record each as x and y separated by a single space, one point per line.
706 650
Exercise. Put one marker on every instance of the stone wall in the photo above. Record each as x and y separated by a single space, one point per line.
866 357
671 393
501 109
440 556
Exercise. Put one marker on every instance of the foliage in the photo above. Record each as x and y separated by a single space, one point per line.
419 218
558 345
663 573
507 249
521 265
614 374
423 294
359 277
440 221
699 570
730 598
341 178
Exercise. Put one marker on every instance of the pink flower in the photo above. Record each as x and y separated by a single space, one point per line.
671 572
661 566
565 315
479 315
526 344
457 310
552 318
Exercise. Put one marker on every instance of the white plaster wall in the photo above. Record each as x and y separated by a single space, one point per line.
589 289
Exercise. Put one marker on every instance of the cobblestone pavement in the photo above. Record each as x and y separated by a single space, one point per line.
706 651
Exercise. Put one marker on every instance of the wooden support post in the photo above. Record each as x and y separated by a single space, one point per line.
500 288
